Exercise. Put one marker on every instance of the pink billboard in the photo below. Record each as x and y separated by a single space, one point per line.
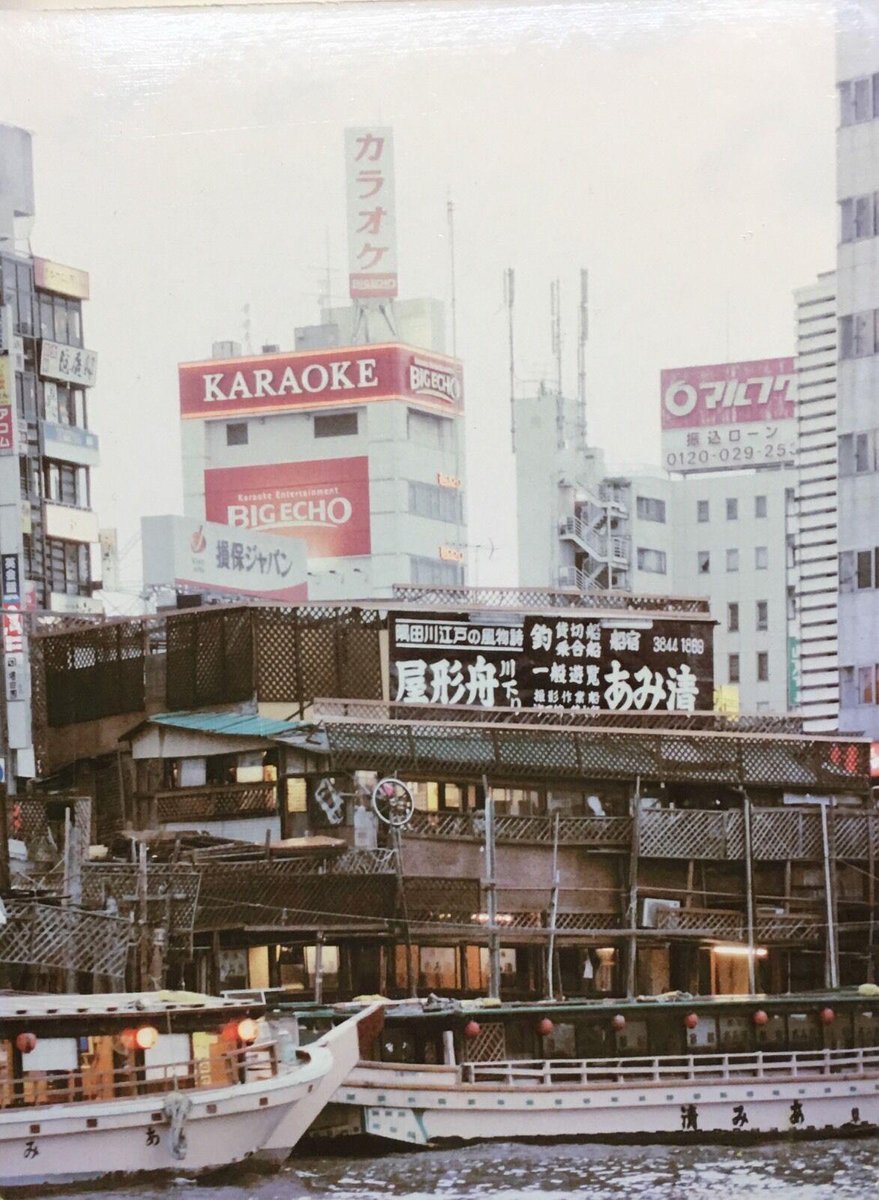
325 502
728 393
320 379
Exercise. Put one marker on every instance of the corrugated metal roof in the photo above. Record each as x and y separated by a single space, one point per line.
250 725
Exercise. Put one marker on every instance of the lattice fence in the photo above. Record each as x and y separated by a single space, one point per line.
784 833
573 831
442 895
701 922
210 658
312 651
172 893
43 936
691 833
508 597
490 1045
93 673
217 803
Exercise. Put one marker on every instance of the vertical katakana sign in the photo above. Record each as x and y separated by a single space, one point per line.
571 661
372 228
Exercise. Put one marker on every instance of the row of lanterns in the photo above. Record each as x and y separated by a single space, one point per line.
544 1026
146 1036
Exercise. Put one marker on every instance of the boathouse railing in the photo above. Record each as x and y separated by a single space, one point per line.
799 1064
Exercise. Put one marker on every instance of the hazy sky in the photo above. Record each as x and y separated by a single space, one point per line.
192 161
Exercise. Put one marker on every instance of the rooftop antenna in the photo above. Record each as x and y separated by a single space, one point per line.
450 214
509 300
555 308
582 338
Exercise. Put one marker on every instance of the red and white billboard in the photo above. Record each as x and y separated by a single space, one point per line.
726 415
332 378
325 502
372 220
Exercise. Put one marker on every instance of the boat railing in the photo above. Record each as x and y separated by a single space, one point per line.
36 1089
757 1065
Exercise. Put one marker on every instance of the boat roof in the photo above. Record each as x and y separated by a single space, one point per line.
434 1007
27 1004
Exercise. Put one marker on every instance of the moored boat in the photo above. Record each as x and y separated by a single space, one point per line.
675 1068
100 1085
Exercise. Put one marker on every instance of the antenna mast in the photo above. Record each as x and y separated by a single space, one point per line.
509 299
555 308
450 214
582 337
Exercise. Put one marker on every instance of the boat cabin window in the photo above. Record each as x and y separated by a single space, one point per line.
168 1059
48 1070
702 1037
211 1062
734 1033
397 1045
804 1032
773 1035
561 1043
867 1028
633 1039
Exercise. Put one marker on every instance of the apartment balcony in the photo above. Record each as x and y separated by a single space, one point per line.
225 802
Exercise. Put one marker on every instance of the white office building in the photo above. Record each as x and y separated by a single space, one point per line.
857 288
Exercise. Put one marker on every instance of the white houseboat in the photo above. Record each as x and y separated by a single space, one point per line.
659 1069
94 1086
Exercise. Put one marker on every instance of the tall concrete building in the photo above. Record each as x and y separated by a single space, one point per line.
357 449
857 285
814 573
721 524
48 531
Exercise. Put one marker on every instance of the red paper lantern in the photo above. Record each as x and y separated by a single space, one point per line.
472 1029
247 1029
545 1026
26 1042
691 1020
146 1037
619 1022
828 1016
760 1017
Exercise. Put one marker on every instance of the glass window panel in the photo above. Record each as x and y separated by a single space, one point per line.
732 621
865 685
847 220
865 569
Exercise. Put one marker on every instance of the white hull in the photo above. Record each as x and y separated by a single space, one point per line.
59 1143
419 1106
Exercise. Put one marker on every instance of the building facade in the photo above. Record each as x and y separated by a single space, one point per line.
815 570
48 531
857 283
357 449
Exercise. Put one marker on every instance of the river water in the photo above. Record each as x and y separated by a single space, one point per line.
843 1170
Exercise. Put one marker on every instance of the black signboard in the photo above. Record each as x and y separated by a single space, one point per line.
624 662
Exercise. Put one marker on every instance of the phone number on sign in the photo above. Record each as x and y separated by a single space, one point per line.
729 454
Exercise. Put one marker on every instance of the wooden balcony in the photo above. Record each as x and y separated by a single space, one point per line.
777 834
597 832
226 802
730 925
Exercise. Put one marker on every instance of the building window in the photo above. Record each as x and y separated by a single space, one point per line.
436 503
761 557
336 425
732 617
426 427
847 571
703 562
759 506
858 100
732 509
762 616
858 217
857 452
432 571
733 668
866 685
848 692
732 560
702 510
67 567
236 434
762 666
649 509
651 560
64 483
857 334
864 570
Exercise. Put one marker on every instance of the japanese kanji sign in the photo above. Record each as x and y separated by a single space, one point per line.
182 552
68 364
334 378
372 229
325 502
570 661
729 415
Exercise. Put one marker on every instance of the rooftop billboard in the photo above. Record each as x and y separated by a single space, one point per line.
729 415
309 379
